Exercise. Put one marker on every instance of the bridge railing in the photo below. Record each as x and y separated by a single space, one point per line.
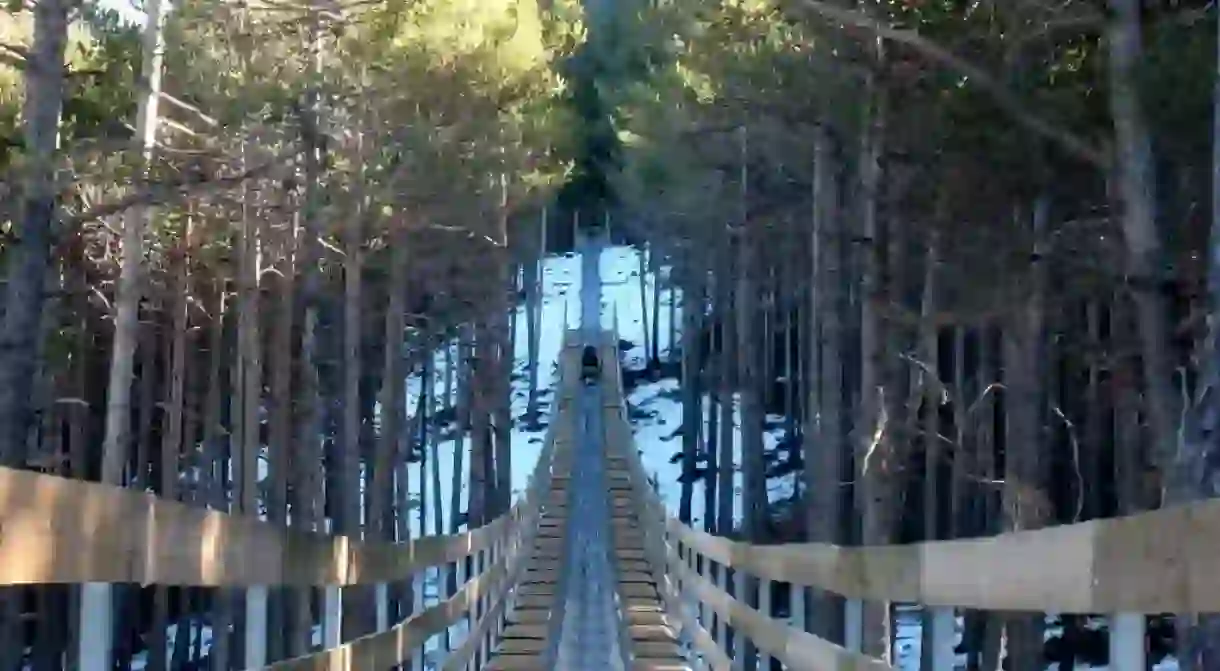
1161 561
55 530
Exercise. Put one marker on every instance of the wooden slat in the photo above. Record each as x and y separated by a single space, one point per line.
797 650
521 646
58 530
659 665
66 531
388 648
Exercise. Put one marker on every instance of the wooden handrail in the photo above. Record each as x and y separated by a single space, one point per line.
398 644
798 650
1152 562
57 530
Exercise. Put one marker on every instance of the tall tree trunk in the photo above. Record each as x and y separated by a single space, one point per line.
1025 501
307 479
715 387
654 358
480 448
640 254
96 604
1136 190
1199 636
393 388
876 459
30 254
281 445
748 357
248 385
825 454
531 273
462 422
726 491
692 414
172 432
347 517
926 394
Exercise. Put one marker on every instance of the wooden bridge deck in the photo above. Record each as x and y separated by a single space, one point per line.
540 600
524 643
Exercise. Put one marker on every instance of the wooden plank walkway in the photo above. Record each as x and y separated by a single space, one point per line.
524 643
653 641
645 627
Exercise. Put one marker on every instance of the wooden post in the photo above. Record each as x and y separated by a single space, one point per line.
94 640
1127 642
721 635
798 612
764 606
256 627
332 617
853 616
944 625
480 567
383 607
739 638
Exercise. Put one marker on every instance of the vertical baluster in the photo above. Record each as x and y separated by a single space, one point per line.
739 638
95 639
480 568
420 579
943 634
1127 642
459 571
699 566
383 606
502 555
799 612
853 616
332 616
764 607
256 627
722 630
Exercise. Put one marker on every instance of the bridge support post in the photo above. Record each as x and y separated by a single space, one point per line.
256 627
943 632
798 612
1127 642
417 606
383 606
94 641
722 629
460 576
741 646
483 654
764 607
698 565
332 616
497 629
853 620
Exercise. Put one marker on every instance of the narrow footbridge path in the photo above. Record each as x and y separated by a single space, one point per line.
589 597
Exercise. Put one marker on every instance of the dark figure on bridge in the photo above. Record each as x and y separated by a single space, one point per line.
590 367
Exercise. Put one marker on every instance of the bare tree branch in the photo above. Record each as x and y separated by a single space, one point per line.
166 192
1001 95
